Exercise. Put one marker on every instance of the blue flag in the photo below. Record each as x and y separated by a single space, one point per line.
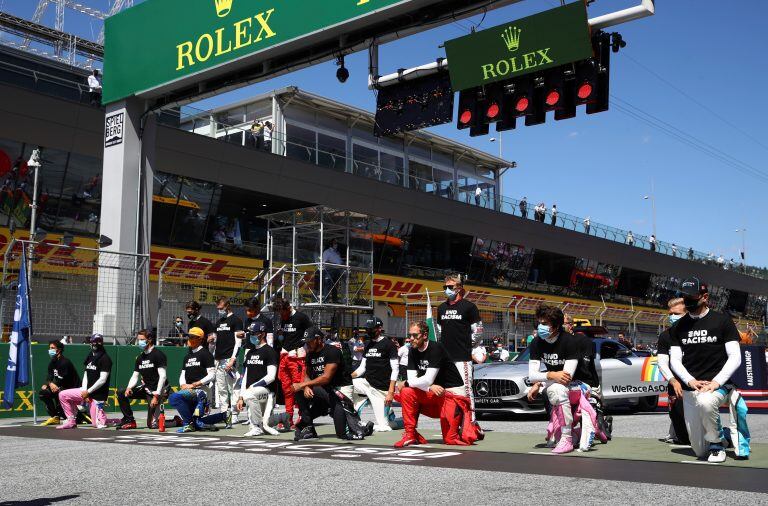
18 371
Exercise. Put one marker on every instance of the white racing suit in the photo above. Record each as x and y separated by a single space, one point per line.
702 419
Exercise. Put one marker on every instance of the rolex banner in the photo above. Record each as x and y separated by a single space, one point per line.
162 44
550 39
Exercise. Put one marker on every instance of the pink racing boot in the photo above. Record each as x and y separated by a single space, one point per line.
564 446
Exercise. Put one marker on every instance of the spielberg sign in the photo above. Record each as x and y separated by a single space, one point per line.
114 125
549 39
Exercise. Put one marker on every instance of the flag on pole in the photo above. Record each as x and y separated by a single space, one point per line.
18 371
430 320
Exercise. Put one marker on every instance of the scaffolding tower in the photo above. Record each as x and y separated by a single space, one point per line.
335 285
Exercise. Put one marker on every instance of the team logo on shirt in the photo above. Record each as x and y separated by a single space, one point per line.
451 314
698 337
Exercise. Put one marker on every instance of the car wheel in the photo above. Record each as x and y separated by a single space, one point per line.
649 403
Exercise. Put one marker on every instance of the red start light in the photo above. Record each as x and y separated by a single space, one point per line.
465 117
584 91
522 104
493 110
553 97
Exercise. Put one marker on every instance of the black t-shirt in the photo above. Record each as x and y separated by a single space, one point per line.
293 330
435 357
225 336
62 373
196 365
256 362
456 328
203 323
377 355
585 370
95 364
147 365
663 346
317 361
555 354
267 321
703 343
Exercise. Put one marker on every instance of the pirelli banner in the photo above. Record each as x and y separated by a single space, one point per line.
549 39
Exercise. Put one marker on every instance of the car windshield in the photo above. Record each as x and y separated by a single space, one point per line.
525 356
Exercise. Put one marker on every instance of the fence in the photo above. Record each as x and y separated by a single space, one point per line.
76 291
180 281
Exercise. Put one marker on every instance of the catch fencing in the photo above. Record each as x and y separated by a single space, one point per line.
76 291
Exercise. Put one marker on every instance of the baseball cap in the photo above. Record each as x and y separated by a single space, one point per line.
257 327
693 288
196 332
311 333
96 339
373 322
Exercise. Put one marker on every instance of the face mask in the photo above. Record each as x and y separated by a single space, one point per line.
407 345
141 344
543 331
178 324
692 304
95 347
191 316
254 340
222 312
451 294
673 318
51 352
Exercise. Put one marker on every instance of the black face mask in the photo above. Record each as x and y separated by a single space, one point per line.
191 316
692 304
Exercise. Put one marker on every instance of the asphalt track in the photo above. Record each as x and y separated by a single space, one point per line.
110 467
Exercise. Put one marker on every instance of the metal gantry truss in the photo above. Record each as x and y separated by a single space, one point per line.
57 38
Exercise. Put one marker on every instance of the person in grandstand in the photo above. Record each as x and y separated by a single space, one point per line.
377 373
148 382
434 388
257 391
228 338
253 314
294 324
94 389
198 372
62 375
326 388
460 325
563 357
677 434
704 354
499 353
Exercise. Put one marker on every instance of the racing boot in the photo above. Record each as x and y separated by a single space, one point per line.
69 423
54 420
190 427
716 453
126 424
410 439
564 446
307 433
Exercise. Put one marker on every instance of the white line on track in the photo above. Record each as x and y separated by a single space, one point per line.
345 455
699 462
542 453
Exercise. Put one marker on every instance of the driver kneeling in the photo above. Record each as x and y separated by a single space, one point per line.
435 389
258 382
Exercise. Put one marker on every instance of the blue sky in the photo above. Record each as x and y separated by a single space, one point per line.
697 66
